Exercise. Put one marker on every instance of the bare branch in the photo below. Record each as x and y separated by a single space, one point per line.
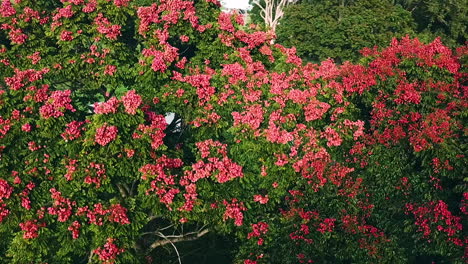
272 11
123 191
152 217
90 259
177 239
172 243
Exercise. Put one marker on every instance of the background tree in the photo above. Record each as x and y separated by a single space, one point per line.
447 19
339 29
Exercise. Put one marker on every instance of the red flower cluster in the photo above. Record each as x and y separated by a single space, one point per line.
327 225
435 214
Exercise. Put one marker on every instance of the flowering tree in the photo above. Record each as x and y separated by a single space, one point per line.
336 164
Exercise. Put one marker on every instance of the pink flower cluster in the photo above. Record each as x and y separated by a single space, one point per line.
108 107
105 134
66 35
261 199
31 229
90 6
75 229
155 130
73 130
106 28
99 171
110 70
234 211
115 213
5 190
94 216
164 183
258 230
407 94
35 57
315 110
25 201
71 168
58 102
18 80
333 138
121 3
203 85
118 214
226 168
66 12
62 207
6 9
109 251
252 116
235 71
4 212
131 101
5 126
313 166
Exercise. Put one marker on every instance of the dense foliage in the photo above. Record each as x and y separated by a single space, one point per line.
289 162
445 18
339 29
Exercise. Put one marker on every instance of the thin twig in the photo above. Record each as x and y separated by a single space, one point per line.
172 243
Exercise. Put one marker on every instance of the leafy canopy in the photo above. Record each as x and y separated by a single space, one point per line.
286 161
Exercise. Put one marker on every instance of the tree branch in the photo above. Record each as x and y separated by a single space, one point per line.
123 191
90 259
176 239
